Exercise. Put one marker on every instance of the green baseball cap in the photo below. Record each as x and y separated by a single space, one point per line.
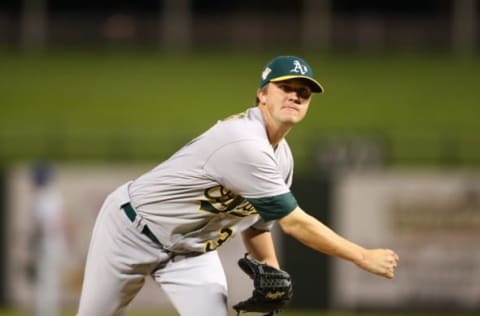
288 67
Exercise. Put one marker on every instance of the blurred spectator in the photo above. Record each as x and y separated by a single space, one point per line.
47 240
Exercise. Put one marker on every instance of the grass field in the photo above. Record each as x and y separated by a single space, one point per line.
143 105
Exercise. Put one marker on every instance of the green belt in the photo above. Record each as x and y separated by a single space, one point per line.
131 214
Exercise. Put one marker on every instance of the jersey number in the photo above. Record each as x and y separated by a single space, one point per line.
223 236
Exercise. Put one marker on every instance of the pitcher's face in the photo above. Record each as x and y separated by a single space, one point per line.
286 101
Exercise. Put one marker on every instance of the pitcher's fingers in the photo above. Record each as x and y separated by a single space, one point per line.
394 255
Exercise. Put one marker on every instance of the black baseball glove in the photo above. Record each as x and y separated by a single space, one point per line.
273 288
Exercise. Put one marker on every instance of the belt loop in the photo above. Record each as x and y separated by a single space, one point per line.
137 221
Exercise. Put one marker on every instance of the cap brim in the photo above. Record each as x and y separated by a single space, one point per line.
316 86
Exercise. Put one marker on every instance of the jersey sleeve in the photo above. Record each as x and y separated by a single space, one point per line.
249 168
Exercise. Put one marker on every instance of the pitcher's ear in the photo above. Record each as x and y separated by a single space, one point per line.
261 96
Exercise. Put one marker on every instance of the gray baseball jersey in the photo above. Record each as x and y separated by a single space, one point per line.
224 181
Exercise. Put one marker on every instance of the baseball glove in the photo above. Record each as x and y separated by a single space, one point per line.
273 288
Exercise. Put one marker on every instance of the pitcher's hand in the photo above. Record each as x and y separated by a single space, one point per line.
382 262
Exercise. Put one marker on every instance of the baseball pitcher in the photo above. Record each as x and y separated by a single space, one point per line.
234 179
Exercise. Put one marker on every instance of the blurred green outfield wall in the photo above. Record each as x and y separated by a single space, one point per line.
141 106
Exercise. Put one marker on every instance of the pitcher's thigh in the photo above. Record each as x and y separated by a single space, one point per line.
109 283
105 293
195 285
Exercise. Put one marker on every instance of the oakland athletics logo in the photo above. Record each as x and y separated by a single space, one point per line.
299 68
222 200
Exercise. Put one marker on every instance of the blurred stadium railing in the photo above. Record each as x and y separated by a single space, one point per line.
189 24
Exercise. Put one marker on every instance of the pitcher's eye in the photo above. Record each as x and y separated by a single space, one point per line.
304 93
285 87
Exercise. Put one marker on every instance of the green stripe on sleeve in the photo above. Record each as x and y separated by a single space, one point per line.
274 207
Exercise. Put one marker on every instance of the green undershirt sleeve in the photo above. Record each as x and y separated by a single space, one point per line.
274 207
